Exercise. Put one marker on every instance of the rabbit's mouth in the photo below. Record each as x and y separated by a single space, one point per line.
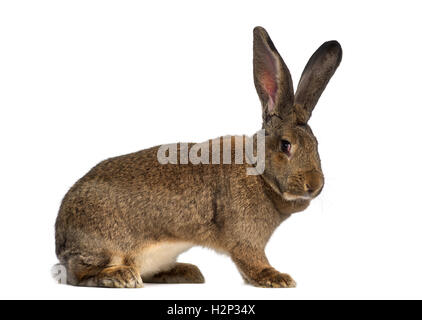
293 197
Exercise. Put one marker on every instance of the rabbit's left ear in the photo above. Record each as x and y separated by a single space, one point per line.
318 71
272 78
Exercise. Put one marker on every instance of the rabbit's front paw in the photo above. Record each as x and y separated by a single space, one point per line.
271 278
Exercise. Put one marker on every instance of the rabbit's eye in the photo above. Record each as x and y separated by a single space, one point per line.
285 146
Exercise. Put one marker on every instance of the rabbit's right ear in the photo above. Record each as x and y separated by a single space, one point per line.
318 71
272 78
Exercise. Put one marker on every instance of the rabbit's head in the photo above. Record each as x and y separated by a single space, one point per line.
292 163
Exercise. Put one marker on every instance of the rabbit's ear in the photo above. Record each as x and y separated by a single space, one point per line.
318 71
272 78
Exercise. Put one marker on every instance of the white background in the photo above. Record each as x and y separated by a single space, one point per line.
81 81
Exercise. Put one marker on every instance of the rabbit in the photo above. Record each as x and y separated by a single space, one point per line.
128 219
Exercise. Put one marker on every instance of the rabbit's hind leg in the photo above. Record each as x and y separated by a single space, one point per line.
102 274
179 273
115 277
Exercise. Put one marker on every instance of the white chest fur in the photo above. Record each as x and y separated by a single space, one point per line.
160 257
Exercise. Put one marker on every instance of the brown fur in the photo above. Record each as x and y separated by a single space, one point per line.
179 273
130 204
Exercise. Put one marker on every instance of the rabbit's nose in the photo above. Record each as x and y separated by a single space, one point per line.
308 188
314 182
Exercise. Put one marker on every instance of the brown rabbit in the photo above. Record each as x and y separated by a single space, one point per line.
126 221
